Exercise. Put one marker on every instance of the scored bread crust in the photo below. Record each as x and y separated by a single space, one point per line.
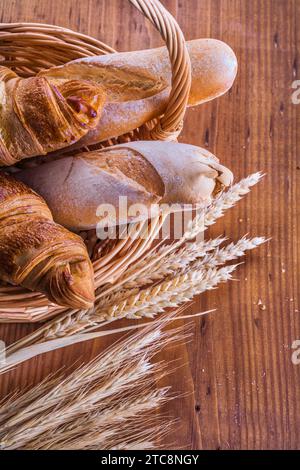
145 172
137 84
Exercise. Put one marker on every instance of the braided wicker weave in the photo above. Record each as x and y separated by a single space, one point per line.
30 47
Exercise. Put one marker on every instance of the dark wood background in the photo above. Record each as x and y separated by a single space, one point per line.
243 389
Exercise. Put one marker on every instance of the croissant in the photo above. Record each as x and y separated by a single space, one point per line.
37 117
39 254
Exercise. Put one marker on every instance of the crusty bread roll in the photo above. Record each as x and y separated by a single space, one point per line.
145 172
137 84
39 254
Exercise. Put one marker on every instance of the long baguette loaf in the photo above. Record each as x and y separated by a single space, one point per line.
80 189
39 254
137 84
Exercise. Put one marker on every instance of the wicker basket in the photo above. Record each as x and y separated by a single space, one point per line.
28 48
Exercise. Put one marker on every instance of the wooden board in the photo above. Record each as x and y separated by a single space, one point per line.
243 391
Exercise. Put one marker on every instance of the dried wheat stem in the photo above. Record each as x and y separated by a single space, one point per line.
153 300
146 437
83 403
57 343
119 354
174 261
228 253
17 400
171 293
108 392
218 257
109 419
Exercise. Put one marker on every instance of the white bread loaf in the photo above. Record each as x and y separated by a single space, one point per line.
145 172
137 84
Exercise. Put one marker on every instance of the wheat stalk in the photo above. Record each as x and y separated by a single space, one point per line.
155 299
97 405
17 400
102 423
196 257
82 403
201 275
171 293
36 349
175 261
228 253
77 320
95 370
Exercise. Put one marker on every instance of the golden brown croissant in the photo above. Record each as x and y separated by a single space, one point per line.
37 117
39 254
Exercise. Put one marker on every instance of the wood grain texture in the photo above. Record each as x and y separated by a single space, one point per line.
243 391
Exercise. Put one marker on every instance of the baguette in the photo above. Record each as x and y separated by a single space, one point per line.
39 254
37 117
147 173
137 84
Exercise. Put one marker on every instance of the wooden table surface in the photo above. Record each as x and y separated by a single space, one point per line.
243 389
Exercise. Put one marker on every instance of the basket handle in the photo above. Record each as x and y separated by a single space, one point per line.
170 125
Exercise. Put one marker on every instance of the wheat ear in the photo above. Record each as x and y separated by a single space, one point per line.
228 253
200 275
195 256
198 258
110 392
104 424
176 260
153 300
